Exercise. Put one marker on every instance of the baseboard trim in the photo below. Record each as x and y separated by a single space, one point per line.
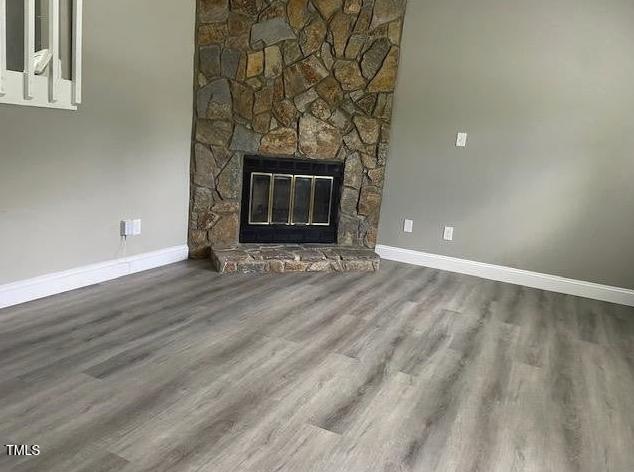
23 291
527 278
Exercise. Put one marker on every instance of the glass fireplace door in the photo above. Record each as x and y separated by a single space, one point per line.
283 199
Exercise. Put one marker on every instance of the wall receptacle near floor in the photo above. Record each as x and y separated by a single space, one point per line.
130 227
447 234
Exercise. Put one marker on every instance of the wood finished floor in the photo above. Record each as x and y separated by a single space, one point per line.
411 369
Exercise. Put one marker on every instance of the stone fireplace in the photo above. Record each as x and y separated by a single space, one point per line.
309 82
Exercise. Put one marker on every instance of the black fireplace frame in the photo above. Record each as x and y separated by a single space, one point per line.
290 234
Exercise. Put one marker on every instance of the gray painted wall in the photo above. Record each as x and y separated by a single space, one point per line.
15 35
67 178
546 91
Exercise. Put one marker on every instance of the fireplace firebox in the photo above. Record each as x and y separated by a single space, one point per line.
290 200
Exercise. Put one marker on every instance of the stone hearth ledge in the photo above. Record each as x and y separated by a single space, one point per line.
253 258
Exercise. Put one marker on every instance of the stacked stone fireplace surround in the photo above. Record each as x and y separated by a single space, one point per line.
304 79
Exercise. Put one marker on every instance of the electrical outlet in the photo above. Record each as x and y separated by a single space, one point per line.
448 233
130 227
136 227
461 139
408 226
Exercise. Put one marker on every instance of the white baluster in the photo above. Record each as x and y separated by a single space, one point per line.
53 45
3 46
29 47
77 50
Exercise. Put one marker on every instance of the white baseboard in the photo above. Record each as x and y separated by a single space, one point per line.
527 278
59 282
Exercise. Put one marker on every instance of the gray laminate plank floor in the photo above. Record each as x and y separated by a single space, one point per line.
411 369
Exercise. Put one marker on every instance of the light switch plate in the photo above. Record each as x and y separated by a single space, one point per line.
461 139
408 226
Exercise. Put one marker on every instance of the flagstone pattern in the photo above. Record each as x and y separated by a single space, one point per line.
305 79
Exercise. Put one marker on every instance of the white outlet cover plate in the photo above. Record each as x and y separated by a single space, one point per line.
408 226
136 227
448 233
130 227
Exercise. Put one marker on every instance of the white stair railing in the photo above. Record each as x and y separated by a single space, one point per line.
3 44
78 13
50 89
53 46
29 47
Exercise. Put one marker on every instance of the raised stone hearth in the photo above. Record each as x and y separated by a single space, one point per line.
299 79
250 258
